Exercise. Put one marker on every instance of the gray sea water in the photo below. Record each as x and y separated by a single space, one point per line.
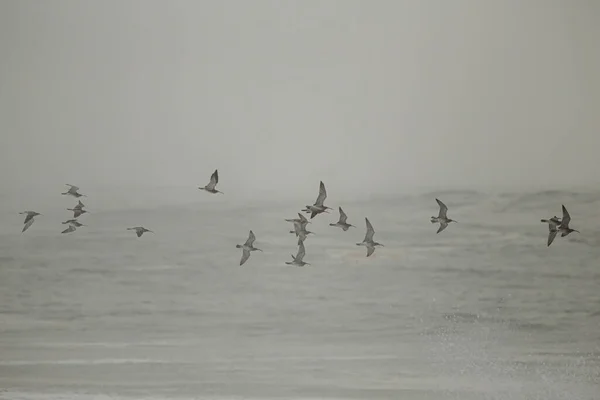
484 310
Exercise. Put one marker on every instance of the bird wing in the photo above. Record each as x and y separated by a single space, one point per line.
566 218
303 218
443 226
28 217
77 212
322 195
28 224
301 252
343 216
72 187
251 239
370 231
245 256
551 236
139 232
552 225
297 227
71 228
214 179
370 250
443 209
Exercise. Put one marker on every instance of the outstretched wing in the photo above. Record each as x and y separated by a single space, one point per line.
28 217
443 209
551 236
77 212
251 239
322 195
28 224
73 188
71 228
370 250
443 226
301 252
566 218
214 179
343 216
370 231
303 218
245 256
139 232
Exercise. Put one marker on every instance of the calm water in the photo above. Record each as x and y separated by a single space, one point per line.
483 310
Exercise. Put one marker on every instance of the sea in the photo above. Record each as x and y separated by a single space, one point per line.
483 310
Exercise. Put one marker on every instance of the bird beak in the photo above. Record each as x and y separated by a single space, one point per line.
259 249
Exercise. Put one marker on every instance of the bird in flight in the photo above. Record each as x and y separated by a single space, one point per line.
342 221
73 191
442 217
29 219
139 230
247 247
318 207
368 241
299 259
214 179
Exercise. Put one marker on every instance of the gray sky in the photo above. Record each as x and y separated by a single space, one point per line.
375 95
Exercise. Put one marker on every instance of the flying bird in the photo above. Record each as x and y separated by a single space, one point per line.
214 179
318 207
299 259
342 221
368 241
301 232
77 211
139 230
74 222
30 215
301 218
442 218
73 191
563 228
247 247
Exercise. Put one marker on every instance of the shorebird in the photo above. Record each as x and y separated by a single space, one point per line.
552 229
77 211
368 240
247 247
139 230
442 218
301 232
563 228
73 222
214 179
73 191
342 221
302 219
30 215
318 207
29 219
298 260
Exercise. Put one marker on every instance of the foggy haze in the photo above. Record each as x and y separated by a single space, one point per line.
367 96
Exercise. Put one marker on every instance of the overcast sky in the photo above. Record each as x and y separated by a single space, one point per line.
364 95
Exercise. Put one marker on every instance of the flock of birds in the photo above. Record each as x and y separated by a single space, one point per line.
555 224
